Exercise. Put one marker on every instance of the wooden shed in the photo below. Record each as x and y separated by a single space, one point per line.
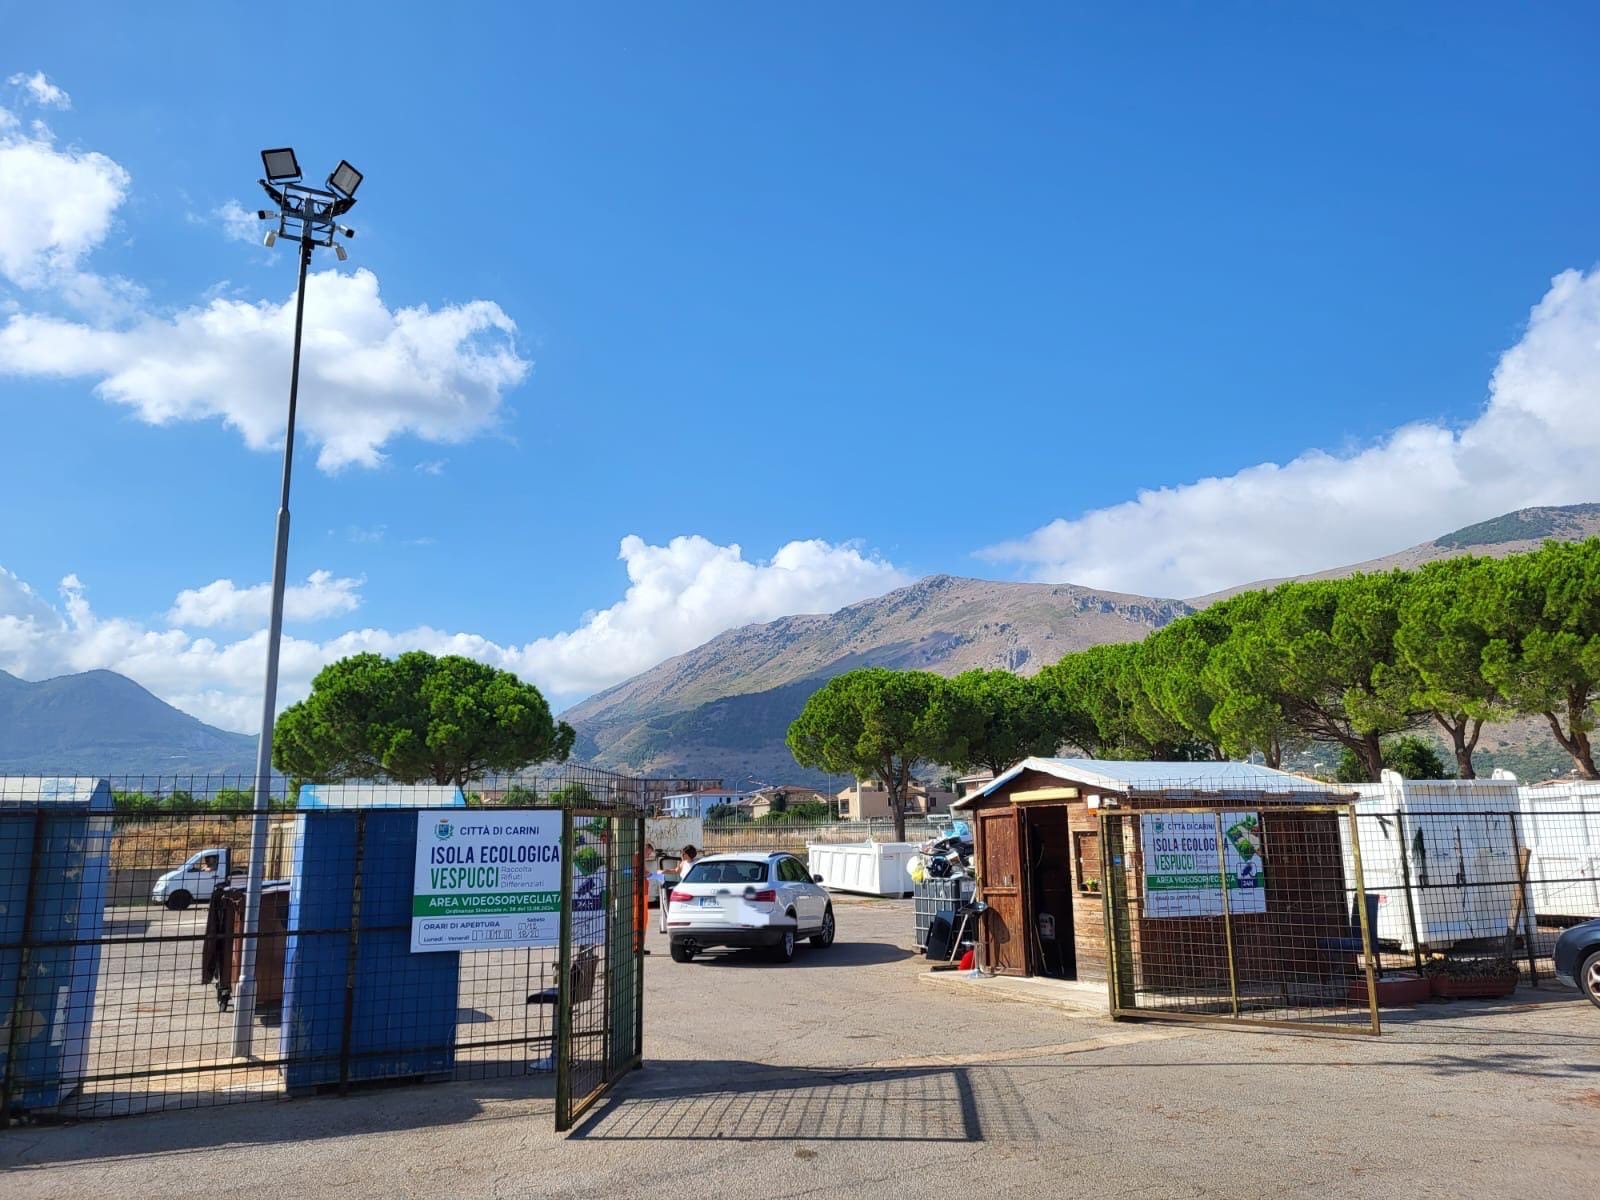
1047 878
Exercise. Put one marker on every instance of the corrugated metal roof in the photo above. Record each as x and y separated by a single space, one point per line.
1146 778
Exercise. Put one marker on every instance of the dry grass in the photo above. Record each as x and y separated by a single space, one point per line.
164 842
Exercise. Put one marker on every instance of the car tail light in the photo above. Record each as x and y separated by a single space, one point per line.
677 897
768 896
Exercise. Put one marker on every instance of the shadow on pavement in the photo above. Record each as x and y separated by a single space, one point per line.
745 1101
840 954
178 1131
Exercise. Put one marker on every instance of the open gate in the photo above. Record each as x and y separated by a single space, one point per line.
1257 916
600 1022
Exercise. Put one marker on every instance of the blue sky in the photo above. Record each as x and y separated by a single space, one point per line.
922 287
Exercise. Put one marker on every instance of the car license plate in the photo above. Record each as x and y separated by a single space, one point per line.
708 901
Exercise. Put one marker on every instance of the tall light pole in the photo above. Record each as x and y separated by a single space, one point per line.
308 215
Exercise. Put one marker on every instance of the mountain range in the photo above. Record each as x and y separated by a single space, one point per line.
100 722
722 709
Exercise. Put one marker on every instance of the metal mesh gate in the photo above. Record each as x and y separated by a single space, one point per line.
1247 915
601 1024
123 925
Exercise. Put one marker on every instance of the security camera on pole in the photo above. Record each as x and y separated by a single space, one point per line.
308 216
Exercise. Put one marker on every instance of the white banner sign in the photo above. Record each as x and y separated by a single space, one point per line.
486 880
1181 864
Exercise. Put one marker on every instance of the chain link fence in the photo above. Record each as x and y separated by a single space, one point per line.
126 985
792 837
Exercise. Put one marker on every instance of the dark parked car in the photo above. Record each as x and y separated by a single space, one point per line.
1578 959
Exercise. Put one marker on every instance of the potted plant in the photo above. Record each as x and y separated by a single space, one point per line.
1472 978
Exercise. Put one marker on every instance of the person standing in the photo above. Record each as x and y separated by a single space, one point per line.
686 859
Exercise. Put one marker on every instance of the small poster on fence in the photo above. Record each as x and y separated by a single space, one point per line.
1183 870
487 881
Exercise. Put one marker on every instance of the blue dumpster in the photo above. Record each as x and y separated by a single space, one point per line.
402 1005
55 844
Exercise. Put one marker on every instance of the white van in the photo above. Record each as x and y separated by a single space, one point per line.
195 880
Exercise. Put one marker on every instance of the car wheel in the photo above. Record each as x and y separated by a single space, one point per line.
1589 978
784 950
179 900
823 938
682 953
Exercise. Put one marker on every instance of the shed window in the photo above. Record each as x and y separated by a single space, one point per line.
1086 861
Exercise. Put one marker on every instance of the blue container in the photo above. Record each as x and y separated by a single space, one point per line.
71 819
403 1005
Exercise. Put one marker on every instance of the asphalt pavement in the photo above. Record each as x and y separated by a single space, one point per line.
838 1074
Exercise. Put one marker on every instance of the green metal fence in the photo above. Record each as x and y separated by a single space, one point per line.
600 1030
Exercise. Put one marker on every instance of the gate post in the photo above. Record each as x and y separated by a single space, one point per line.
1119 930
564 983
1528 927
1369 936
1405 878
642 909
1227 916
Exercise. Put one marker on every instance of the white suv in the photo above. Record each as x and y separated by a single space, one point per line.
768 900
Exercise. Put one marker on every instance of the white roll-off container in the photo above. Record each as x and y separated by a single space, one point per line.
871 868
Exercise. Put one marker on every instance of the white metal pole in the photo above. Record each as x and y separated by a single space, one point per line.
244 1001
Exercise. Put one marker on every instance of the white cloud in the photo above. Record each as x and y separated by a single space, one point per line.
369 373
688 591
1535 442
223 602
679 595
40 90
239 224
432 466
56 205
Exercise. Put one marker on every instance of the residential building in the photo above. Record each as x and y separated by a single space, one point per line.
781 796
976 782
699 803
868 800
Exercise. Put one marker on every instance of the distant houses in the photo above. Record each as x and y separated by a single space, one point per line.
782 797
868 800
700 802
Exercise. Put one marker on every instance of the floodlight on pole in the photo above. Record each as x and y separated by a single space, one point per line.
345 179
305 215
281 165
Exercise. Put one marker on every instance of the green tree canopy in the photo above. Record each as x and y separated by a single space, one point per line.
999 719
1541 612
875 723
1240 676
1084 698
1409 755
1097 700
1440 641
1320 654
416 719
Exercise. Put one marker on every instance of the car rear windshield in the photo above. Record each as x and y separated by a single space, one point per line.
727 872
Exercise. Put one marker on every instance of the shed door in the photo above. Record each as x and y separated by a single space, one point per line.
1004 937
